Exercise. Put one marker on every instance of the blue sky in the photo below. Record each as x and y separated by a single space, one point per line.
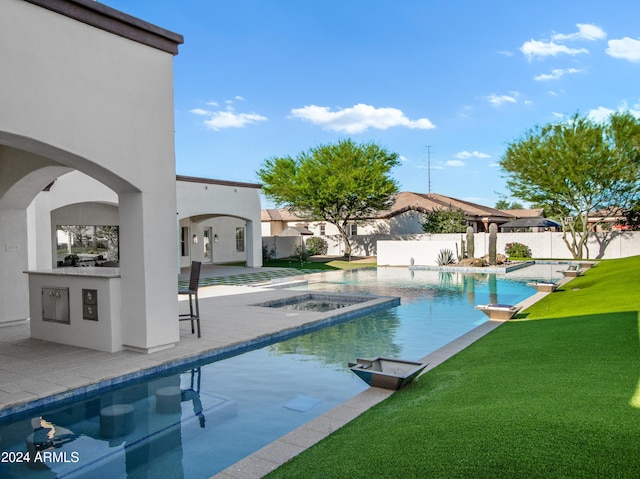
262 78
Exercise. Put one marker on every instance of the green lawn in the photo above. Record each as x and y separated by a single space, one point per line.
553 394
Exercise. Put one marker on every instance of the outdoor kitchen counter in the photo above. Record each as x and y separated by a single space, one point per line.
84 271
80 306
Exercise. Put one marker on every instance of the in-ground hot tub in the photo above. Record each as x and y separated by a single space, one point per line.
315 302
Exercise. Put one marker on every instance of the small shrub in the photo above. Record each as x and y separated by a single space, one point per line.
301 253
517 250
445 257
317 245
268 254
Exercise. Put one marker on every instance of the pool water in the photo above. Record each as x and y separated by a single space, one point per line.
227 409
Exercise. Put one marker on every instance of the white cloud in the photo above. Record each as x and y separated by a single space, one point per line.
558 115
556 74
498 100
404 159
600 114
586 31
228 119
506 53
358 118
625 48
537 49
474 154
456 163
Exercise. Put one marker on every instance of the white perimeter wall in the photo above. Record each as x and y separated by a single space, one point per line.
425 248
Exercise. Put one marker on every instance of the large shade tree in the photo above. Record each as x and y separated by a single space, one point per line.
340 183
576 168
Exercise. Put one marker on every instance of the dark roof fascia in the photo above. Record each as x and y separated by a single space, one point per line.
114 21
211 181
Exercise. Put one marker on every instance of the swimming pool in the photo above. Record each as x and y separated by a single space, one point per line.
232 407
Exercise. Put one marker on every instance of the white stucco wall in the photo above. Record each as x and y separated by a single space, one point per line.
75 96
548 245
224 207
223 246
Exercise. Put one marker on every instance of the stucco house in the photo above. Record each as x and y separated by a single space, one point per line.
90 89
218 220
404 217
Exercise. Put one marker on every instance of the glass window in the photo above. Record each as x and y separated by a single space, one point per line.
240 239
353 229
322 230
184 241
86 244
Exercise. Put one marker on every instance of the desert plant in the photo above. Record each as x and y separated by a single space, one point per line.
445 257
301 253
517 250
471 248
493 243
317 245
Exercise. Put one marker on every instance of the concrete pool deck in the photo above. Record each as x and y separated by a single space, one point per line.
34 371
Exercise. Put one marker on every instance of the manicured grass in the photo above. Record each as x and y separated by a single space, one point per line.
555 397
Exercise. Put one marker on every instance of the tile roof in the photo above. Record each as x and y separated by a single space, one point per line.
407 201
425 203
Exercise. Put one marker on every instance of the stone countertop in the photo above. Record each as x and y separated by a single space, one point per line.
83 271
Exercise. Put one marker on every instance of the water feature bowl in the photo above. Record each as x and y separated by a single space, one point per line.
544 287
385 372
498 312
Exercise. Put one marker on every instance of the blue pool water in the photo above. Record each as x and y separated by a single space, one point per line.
196 422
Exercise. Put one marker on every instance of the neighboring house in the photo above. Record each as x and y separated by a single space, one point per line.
529 221
409 210
274 221
607 220
525 213
405 217
533 224
601 220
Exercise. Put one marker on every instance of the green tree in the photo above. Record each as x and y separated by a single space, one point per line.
445 220
631 217
339 183
575 168
504 204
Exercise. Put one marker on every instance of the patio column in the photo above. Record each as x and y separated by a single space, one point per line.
254 244
14 285
148 269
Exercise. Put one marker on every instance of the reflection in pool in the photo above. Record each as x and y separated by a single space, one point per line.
199 420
